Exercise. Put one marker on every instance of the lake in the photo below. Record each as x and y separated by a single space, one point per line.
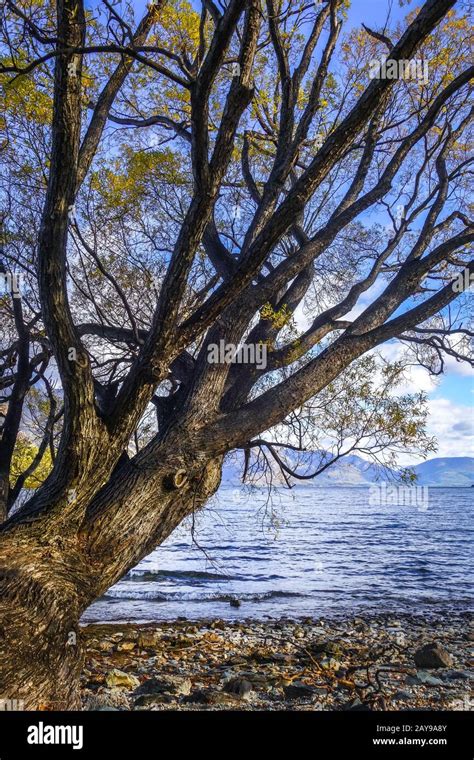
311 551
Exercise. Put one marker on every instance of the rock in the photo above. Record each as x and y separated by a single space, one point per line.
298 690
329 663
235 602
267 658
238 687
401 696
166 684
105 646
209 697
422 677
457 675
235 661
432 655
126 646
149 639
111 699
120 679
325 648
257 680
357 706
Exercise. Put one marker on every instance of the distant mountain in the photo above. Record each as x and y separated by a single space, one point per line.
352 470
446 471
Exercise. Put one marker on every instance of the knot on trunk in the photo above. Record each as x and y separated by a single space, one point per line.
176 479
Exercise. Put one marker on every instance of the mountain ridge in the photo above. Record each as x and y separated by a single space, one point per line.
353 470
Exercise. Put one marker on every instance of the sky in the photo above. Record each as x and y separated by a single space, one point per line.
450 397
450 404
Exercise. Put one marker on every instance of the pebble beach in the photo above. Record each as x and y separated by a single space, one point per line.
385 662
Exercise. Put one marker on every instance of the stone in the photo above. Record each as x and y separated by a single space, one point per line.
166 684
325 648
422 677
148 639
267 658
401 696
329 663
235 602
238 687
105 646
118 678
209 697
433 655
110 699
357 706
126 646
298 690
457 675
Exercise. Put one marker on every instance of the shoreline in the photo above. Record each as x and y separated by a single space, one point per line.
357 662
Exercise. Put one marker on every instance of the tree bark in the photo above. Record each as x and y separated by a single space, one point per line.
47 583
40 650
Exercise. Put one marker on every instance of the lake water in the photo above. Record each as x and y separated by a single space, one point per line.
310 552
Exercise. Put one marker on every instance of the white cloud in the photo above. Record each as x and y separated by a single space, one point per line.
453 426
458 368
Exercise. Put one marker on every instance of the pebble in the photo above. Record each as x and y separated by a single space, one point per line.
299 691
116 677
165 684
239 687
433 655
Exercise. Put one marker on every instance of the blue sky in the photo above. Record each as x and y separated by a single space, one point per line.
451 397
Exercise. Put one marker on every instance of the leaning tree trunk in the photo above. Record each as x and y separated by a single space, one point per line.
47 579
40 652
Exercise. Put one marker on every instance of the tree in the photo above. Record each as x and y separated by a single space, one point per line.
188 182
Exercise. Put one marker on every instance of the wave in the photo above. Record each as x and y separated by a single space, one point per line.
195 596
138 574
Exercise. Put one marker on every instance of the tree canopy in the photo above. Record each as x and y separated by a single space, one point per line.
244 173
